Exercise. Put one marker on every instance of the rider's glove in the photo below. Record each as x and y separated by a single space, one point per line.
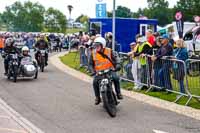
93 74
118 67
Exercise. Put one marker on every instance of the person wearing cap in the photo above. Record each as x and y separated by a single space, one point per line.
103 58
157 65
135 65
164 72
144 48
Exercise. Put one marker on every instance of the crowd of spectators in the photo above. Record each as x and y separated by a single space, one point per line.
56 41
157 57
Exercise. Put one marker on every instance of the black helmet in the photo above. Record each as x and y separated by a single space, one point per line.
9 41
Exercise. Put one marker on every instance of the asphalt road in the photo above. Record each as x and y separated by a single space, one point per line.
59 103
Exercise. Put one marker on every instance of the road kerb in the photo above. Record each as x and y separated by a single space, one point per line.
23 122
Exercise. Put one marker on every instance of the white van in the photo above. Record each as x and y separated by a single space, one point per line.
192 38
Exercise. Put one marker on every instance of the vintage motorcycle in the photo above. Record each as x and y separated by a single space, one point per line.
108 96
24 68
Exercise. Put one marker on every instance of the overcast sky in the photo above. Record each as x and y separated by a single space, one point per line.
83 6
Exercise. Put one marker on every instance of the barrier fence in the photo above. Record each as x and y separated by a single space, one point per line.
171 75
193 78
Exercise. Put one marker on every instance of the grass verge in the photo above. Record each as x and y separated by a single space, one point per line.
74 30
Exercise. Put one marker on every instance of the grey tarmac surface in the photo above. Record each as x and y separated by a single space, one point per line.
59 103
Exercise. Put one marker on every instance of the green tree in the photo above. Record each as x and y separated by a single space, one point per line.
109 14
157 9
82 19
140 12
79 17
1 21
189 8
55 21
123 12
24 17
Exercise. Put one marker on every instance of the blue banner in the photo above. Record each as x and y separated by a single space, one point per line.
101 10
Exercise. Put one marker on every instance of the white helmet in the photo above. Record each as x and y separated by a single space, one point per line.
25 48
100 40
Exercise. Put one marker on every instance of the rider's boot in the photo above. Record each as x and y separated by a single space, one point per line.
6 70
97 100
119 96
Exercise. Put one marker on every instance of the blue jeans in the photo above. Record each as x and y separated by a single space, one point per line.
181 85
83 58
165 78
158 78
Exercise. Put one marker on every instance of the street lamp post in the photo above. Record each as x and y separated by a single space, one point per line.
113 26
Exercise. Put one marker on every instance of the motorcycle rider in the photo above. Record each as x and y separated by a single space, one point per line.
9 48
42 44
25 53
103 58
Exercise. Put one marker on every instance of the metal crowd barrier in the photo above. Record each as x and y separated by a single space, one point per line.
172 75
128 74
193 78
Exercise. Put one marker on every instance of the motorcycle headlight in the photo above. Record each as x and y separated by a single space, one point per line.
15 63
104 81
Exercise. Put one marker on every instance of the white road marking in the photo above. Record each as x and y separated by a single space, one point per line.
158 131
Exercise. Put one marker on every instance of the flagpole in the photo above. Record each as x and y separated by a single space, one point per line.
113 26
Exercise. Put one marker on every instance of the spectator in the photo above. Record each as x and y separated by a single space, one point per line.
30 41
144 48
1 43
150 38
178 68
89 48
109 40
157 65
83 57
165 50
135 65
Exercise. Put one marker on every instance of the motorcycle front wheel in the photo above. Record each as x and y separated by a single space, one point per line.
109 102
15 69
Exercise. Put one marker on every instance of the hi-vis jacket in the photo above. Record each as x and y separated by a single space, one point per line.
99 63
1 43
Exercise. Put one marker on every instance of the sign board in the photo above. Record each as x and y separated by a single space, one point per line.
179 23
101 10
